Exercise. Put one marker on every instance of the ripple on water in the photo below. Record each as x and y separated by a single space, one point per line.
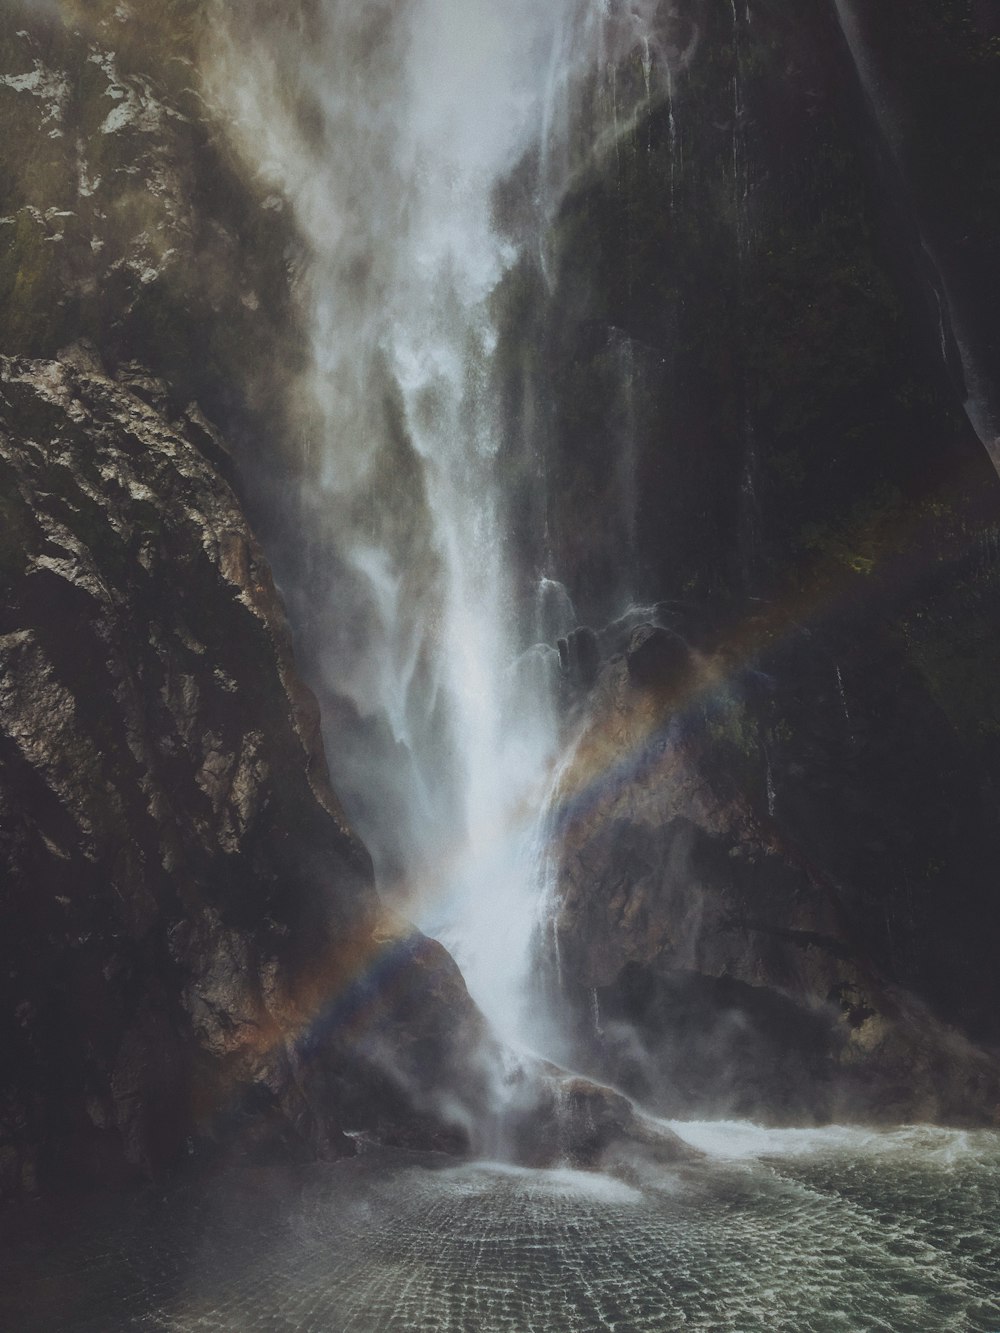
777 1230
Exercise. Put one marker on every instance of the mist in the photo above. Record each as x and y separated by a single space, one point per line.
389 130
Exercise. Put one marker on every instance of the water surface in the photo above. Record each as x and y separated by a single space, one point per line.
835 1229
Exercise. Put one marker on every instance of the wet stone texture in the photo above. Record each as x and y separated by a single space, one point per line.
847 1232
731 351
192 955
715 937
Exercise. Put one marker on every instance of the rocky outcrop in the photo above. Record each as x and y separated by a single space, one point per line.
551 1118
125 220
194 958
726 943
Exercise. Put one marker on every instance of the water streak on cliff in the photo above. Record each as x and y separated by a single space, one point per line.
959 348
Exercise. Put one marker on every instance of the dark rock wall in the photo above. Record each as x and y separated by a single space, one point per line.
128 222
194 961
730 939
736 291
930 73
745 290
194 957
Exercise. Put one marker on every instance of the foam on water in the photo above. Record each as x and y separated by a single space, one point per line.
736 1140
562 1182
741 1139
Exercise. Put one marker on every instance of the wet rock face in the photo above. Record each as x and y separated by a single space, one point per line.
194 958
737 301
729 939
124 219
193 951
768 844
553 1118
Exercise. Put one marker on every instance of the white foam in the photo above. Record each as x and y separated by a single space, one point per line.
564 1182
736 1140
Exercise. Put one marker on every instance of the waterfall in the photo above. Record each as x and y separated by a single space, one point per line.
388 129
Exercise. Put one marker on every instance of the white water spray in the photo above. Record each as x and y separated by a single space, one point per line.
388 128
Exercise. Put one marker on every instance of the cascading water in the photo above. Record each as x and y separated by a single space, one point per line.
415 114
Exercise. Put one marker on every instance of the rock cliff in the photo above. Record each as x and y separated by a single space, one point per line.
194 958
124 218
740 943
768 295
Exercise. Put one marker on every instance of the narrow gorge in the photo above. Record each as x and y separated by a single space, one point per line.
499 745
